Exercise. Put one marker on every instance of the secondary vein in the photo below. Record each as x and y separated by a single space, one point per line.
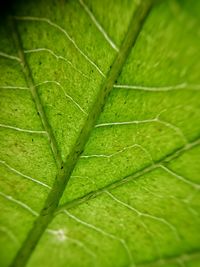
130 177
30 83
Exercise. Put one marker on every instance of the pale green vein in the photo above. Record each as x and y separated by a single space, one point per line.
181 178
2 54
66 95
14 87
156 119
58 57
101 231
181 86
23 175
98 25
10 235
61 236
118 152
21 129
58 27
146 215
19 203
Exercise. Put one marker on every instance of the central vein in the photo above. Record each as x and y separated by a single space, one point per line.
66 167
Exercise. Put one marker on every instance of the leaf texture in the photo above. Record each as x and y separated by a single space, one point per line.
100 128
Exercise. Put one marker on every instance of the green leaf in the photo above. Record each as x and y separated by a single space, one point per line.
100 134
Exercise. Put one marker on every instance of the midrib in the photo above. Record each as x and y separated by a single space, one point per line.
66 167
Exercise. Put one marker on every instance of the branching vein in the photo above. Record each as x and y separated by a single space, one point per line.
48 21
119 152
58 57
157 119
67 95
150 216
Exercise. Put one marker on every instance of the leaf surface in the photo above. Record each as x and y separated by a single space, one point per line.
99 124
